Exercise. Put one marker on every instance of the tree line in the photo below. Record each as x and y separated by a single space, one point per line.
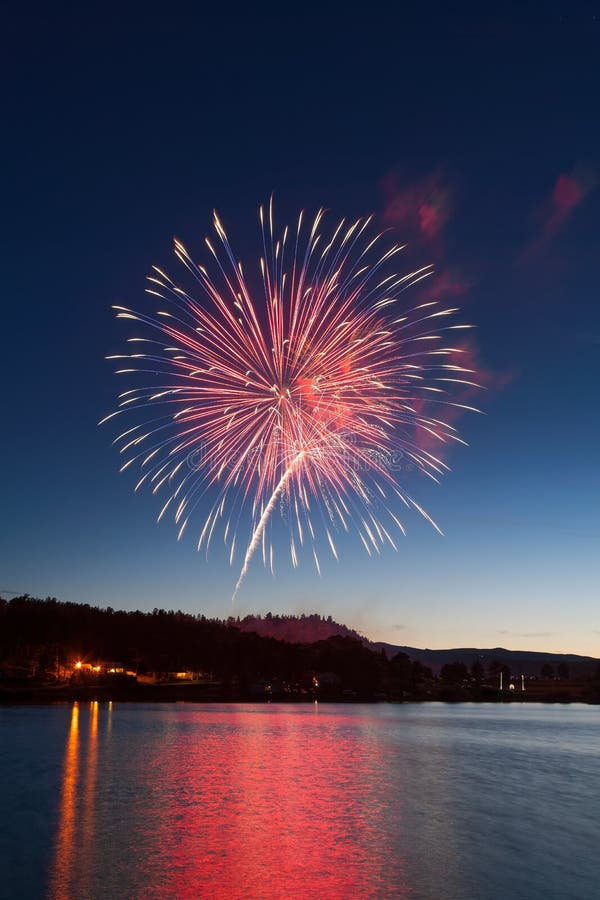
50 633
44 636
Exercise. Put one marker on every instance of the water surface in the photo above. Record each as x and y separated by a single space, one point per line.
466 801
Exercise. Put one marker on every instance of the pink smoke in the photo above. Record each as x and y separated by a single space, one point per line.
567 194
421 208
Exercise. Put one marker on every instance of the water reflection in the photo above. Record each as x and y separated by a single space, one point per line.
65 842
86 836
255 801
75 836
238 802
281 806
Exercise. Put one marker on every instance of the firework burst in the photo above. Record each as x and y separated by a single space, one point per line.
307 398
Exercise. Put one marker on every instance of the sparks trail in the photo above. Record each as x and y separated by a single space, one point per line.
259 530
300 395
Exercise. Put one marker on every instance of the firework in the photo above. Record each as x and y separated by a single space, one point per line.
312 398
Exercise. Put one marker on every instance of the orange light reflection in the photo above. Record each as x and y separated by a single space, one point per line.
75 849
65 843
86 833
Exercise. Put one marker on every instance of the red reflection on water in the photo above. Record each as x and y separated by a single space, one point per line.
232 802
280 805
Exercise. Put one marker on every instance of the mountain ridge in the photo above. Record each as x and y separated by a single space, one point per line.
312 627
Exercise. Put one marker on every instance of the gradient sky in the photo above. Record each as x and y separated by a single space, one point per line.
475 139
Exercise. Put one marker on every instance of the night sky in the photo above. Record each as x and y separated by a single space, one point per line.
475 138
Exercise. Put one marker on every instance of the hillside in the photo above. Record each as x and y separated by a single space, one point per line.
300 629
307 629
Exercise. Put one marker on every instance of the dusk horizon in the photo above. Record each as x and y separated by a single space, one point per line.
397 637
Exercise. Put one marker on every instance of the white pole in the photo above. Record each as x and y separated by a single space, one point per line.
522 682
500 679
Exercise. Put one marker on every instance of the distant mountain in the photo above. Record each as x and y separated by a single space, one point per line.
520 662
307 629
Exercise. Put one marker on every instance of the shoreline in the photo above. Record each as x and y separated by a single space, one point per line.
26 695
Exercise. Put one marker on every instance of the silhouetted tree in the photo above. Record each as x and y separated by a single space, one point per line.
454 673
494 668
477 671
402 673
421 674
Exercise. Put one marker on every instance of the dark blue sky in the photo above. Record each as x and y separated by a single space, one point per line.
124 128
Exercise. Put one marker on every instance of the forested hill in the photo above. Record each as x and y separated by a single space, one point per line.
47 639
302 629
307 629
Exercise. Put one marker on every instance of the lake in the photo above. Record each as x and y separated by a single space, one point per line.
469 801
